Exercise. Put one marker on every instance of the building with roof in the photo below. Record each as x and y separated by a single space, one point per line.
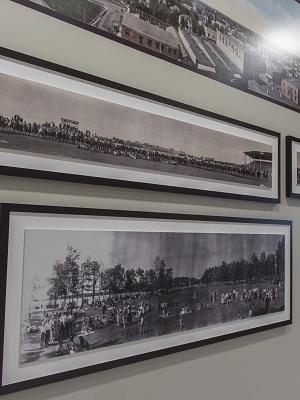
291 90
150 36
249 62
233 48
259 159
210 33
196 51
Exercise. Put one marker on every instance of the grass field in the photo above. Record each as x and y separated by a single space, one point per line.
15 141
157 325
83 10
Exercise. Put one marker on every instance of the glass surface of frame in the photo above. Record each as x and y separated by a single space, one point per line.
197 36
58 123
84 290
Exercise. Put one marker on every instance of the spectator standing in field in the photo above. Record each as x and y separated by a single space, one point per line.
70 320
124 317
142 324
250 312
267 303
62 330
181 322
118 318
47 332
43 334
52 327
129 316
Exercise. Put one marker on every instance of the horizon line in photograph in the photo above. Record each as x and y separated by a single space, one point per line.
187 254
105 119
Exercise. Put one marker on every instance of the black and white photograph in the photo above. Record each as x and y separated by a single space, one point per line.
95 289
293 167
121 137
249 45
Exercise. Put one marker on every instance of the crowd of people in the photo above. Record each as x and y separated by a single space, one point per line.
265 295
68 326
246 296
70 133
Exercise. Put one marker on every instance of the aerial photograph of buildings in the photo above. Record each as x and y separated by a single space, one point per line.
194 34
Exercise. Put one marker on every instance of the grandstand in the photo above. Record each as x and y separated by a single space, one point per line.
259 159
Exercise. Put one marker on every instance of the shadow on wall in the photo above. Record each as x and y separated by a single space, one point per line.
51 193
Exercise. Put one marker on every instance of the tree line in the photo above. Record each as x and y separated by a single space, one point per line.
77 280
257 268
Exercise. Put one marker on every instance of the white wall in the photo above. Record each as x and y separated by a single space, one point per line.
261 366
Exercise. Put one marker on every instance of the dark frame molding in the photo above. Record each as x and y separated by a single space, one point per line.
289 167
6 209
107 35
64 177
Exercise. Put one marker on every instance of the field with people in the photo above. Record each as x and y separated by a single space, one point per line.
81 297
55 148
178 310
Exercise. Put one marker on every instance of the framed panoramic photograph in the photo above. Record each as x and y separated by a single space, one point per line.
58 123
83 290
207 37
293 167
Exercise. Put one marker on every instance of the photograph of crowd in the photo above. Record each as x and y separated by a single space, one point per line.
263 60
95 289
40 119
298 168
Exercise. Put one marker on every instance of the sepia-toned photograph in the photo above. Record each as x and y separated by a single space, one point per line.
89 290
209 37
44 120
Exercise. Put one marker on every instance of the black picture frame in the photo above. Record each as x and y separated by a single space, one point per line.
62 17
291 190
20 171
7 210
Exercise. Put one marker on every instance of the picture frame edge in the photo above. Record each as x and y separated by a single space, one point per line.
102 33
66 177
7 208
288 176
4 235
76 373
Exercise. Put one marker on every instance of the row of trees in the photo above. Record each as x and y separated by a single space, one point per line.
77 280
265 266
84 10
172 12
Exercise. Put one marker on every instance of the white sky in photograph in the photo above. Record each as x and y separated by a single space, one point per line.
36 102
